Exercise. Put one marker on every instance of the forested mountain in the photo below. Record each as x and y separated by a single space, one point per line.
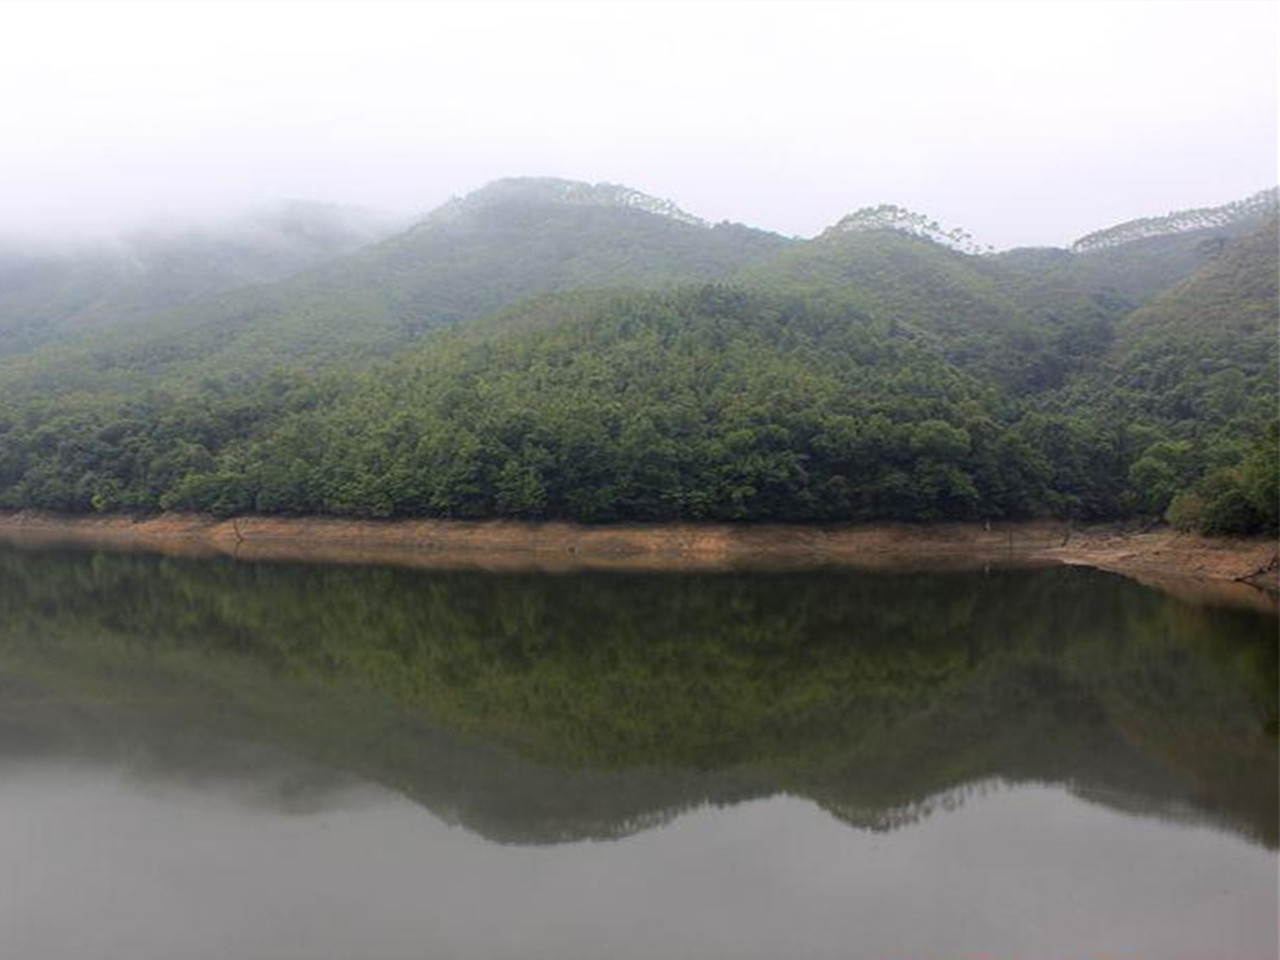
472 256
56 292
1134 261
1197 366
544 348
1239 217
965 305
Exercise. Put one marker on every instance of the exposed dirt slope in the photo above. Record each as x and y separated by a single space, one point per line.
1153 555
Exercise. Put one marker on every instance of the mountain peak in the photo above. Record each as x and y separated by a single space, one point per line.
888 216
554 190
1259 205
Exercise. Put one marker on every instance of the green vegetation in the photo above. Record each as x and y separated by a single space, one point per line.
471 257
49 294
1251 209
545 349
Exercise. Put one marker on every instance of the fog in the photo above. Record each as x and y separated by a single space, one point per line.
1025 124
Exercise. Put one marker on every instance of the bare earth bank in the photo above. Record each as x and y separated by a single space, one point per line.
1161 556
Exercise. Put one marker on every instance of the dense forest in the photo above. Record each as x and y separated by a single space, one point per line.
547 349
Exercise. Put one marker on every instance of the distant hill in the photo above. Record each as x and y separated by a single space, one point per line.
897 219
1206 348
472 256
1132 262
1241 216
519 237
958 301
1201 354
1232 295
1190 381
554 191
303 289
51 293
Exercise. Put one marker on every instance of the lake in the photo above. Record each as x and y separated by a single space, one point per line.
212 759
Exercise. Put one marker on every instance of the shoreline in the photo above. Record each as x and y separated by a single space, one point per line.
1153 556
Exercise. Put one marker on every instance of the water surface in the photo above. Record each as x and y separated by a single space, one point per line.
212 759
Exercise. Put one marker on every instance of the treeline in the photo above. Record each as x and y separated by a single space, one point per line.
707 402
1260 205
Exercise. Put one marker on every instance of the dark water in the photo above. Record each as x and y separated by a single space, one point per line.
209 759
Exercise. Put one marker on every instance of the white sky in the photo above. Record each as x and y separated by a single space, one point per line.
1025 123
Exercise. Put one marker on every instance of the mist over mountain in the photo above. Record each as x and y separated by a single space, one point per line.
550 348
468 258
51 291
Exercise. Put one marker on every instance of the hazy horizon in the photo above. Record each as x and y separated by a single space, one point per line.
1026 125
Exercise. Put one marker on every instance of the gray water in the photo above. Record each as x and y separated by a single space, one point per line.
210 759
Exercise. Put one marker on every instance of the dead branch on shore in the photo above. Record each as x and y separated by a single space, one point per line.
1270 566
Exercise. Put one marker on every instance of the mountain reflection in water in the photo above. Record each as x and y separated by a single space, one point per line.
535 708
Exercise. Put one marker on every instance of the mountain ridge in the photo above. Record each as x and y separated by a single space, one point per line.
555 349
1255 207
560 190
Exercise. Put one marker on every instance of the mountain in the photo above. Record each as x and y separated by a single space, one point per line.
546 348
1028 318
1232 297
1237 218
472 256
554 191
1191 376
1201 356
55 293
201 308
1131 262
958 301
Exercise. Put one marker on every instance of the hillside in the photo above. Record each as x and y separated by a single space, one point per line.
1028 318
504 242
1129 263
199 310
55 293
1199 358
958 301
544 348
1229 299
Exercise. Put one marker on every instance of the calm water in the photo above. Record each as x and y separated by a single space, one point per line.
210 759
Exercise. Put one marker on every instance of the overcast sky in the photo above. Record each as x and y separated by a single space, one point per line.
1026 123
